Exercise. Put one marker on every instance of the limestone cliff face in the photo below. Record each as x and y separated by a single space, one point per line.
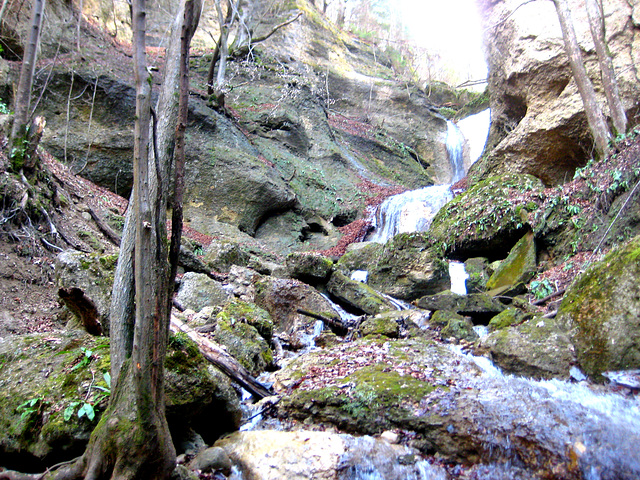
539 126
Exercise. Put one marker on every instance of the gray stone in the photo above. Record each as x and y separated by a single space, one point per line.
198 291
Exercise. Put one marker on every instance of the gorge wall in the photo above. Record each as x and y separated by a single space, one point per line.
539 126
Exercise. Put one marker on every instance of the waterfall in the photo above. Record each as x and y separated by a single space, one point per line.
458 276
409 212
455 149
475 129
413 211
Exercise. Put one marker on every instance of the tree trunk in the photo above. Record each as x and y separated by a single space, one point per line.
595 117
132 440
609 82
187 31
18 140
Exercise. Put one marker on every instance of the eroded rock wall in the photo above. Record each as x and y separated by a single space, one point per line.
539 126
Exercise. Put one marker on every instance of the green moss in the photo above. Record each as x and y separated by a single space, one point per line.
509 317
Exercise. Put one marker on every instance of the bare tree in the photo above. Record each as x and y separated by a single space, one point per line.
244 16
132 440
595 117
609 82
21 133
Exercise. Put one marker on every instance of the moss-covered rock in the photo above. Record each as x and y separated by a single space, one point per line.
485 220
601 312
460 328
479 306
518 268
410 266
507 318
380 325
243 342
250 313
357 294
308 267
47 380
537 348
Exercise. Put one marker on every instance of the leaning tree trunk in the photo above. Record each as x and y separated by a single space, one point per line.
18 140
595 117
609 82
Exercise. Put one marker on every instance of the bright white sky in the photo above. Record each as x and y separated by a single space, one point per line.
451 27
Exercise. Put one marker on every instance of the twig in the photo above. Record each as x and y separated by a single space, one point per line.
549 297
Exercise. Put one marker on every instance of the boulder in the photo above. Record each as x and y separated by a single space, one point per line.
408 267
220 256
380 325
507 318
357 295
282 298
93 274
538 121
518 268
479 306
312 455
488 218
212 459
460 328
308 267
197 291
537 348
601 312
444 405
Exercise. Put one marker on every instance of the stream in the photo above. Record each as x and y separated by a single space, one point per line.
596 428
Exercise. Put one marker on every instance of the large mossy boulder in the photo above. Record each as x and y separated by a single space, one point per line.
518 268
357 295
408 267
488 218
537 348
308 267
54 391
479 306
601 312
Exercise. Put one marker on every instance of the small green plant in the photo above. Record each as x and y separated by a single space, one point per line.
33 405
4 109
541 288
86 408
87 356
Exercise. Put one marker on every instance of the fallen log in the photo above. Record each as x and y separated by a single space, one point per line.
337 326
222 360
105 228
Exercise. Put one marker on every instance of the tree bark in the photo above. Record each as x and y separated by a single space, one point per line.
23 93
595 117
609 82
187 32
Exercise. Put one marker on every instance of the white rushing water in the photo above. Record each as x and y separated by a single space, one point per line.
413 211
458 276
475 129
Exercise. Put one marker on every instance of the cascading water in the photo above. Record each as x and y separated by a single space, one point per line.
455 149
413 211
